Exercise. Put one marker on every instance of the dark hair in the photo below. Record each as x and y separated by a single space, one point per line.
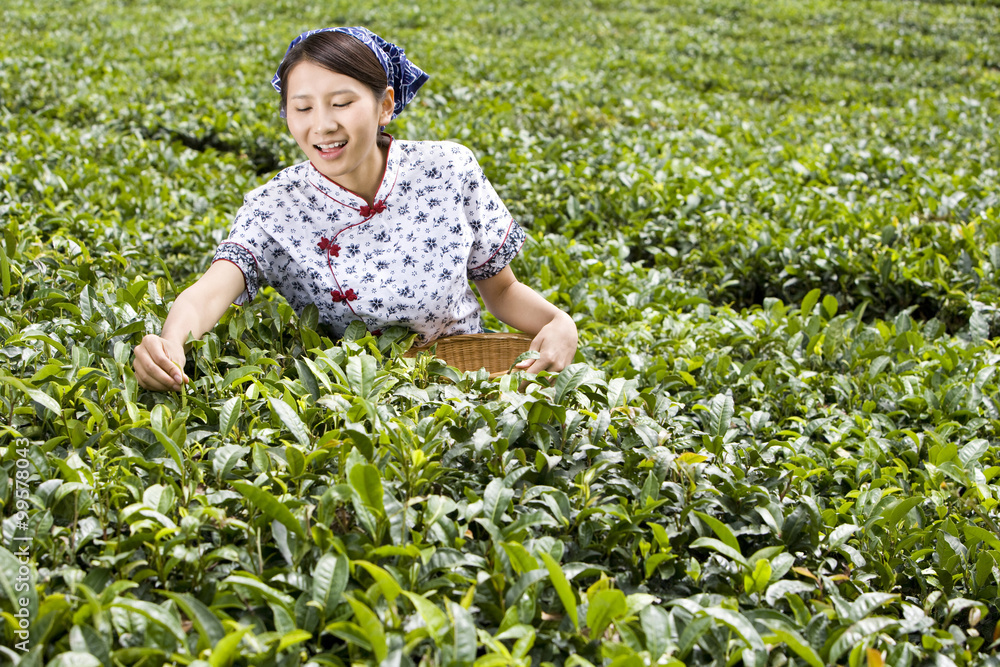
337 52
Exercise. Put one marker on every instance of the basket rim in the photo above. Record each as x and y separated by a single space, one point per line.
451 345
510 336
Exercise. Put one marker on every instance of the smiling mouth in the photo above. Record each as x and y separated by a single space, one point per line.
325 148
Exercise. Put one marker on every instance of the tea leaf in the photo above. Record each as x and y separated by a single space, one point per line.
329 582
720 412
721 530
603 608
204 621
367 483
229 415
435 619
563 589
794 641
372 628
271 507
291 420
154 613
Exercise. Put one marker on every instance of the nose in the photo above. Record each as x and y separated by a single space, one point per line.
328 121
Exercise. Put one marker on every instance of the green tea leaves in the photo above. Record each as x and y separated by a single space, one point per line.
270 506
774 224
291 420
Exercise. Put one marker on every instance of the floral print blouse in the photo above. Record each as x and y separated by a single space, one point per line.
436 223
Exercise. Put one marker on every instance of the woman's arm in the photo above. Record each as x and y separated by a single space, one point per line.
159 360
523 308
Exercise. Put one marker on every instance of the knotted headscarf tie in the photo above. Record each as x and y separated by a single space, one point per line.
404 77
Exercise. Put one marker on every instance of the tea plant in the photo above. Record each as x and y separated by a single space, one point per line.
775 225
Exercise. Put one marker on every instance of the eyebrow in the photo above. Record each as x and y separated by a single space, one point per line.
346 91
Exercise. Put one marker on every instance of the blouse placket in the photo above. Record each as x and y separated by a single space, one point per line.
329 246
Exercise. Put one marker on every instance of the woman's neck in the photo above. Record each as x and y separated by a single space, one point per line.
378 172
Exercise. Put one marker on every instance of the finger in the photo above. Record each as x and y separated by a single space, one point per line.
152 375
535 346
161 357
540 364
560 364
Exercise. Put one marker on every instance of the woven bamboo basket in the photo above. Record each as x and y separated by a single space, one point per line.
496 352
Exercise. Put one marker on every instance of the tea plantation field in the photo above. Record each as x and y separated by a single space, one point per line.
777 225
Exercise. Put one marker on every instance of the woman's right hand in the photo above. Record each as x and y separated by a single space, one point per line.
159 360
159 364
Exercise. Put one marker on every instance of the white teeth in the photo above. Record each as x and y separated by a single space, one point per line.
326 147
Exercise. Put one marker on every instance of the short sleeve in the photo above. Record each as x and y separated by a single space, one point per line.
242 248
497 237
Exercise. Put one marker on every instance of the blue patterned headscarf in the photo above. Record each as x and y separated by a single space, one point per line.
404 77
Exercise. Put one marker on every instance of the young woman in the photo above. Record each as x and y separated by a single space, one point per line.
368 228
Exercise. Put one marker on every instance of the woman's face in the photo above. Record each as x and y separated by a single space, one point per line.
335 121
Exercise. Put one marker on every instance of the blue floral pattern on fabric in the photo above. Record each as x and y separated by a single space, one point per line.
404 77
407 259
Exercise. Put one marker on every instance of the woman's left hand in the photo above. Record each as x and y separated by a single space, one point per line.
523 308
555 343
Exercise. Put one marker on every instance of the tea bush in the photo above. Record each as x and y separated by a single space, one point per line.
774 223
